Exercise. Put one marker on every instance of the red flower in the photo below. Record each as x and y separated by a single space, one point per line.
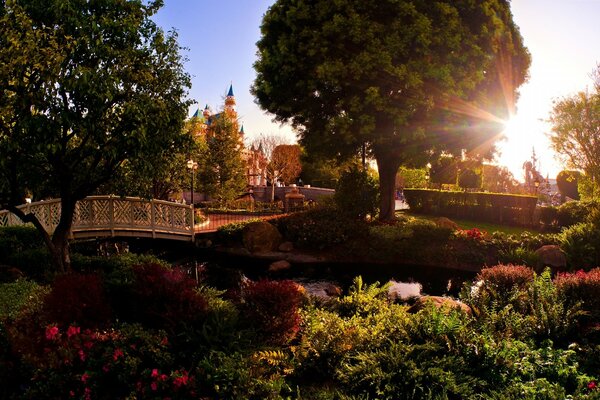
592 385
51 332
73 330
117 354
153 386
84 377
181 380
154 373
81 355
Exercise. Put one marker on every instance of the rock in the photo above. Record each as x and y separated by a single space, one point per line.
260 237
286 247
438 302
333 290
550 256
280 265
444 222
10 274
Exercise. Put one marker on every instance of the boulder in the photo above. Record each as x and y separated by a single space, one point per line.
280 265
260 237
10 274
550 256
286 247
438 302
444 222
333 290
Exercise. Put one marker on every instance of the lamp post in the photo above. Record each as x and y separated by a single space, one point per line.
192 165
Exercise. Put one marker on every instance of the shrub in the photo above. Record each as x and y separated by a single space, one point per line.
273 308
319 228
35 263
503 278
166 298
231 234
16 239
581 244
582 287
574 212
356 194
13 296
79 299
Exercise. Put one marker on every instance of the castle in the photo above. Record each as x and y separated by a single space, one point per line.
254 159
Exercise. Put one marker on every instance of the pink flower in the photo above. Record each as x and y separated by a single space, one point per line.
84 378
163 378
88 345
117 354
73 330
154 373
51 332
81 355
105 368
153 386
592 385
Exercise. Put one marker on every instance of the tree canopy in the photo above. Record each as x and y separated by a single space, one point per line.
87 87
405 78
575 132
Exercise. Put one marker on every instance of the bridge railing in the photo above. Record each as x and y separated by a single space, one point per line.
113 216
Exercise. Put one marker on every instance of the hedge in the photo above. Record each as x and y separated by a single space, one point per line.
507 209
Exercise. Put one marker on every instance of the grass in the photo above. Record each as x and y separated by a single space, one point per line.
483 226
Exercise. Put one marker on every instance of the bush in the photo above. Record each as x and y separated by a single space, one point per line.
581 244
582 287
166 298
35 264
273 308
319 228
503 278
14 295
78 299
231 234
16 239
356 194
574 212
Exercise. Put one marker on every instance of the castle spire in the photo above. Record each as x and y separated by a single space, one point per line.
230 93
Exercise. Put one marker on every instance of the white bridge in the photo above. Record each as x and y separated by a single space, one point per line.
110 216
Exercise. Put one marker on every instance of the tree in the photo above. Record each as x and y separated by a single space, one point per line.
497 179
284 165
575 133
411 178
469 179
87 88
222 175
407 79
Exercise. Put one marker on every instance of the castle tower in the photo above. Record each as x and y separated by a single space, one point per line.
206 112
230 102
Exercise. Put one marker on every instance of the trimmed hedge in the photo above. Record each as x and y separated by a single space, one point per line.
492 207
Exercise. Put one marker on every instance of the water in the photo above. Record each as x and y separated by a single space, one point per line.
322 279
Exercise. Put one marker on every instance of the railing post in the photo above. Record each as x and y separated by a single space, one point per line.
152 219
111 213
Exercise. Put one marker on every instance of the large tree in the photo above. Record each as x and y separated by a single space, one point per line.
222 173
575 133
86 87
408 79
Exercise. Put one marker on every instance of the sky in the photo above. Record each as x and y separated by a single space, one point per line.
563 37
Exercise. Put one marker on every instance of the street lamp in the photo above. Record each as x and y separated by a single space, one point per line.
192 165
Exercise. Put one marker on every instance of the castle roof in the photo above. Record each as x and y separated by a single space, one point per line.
230 93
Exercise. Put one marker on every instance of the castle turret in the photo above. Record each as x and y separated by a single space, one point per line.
206 112
230 100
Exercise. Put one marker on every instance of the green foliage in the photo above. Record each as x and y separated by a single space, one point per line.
492 207
232 233
16 239
356 194
574 212
223 176
437 53
469 179
319 228
581 244
15 295
411 178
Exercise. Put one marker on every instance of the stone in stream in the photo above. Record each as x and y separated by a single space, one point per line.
260 237
286 247
280 265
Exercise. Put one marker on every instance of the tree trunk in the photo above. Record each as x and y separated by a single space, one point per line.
388 168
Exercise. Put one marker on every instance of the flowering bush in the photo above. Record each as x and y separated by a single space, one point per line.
473 233
91 364
78 298
582 287
273 308
505 277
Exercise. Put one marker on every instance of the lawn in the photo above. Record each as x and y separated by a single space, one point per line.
483 226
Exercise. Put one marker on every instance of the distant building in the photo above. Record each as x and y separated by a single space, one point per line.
254 158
